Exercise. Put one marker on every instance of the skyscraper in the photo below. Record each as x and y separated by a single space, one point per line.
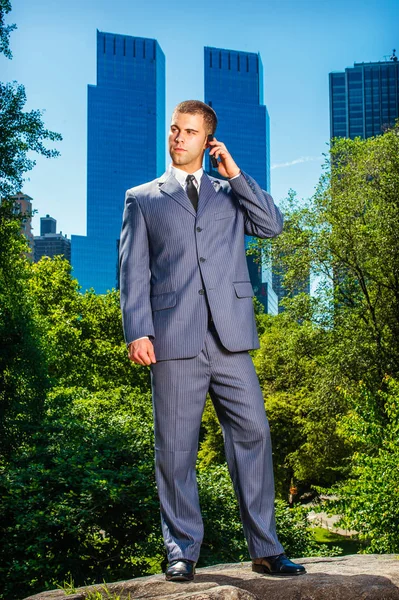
234 89
49 242
126 147
47 225
364 99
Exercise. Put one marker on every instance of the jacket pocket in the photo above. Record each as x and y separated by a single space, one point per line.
243 289
226 214
162 301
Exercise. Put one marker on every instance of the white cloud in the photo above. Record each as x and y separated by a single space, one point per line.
302 159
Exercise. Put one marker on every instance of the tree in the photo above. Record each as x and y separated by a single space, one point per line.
5 30
23 369
347 233
20 132
23 379
82 333
80 500
355 219
368 497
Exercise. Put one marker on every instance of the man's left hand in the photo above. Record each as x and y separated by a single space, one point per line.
226 165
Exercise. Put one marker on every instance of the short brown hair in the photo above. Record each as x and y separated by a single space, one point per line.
194 107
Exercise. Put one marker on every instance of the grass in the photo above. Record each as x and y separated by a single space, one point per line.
105 594
324 536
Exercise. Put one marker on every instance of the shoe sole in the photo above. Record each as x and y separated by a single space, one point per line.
265 571
179 578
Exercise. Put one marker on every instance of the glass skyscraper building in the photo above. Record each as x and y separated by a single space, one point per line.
234 89
126 147
364 99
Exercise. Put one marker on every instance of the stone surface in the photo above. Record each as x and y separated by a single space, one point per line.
356 577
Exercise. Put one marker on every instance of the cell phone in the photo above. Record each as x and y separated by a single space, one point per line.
214 160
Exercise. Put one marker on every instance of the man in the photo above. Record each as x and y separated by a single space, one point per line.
187 310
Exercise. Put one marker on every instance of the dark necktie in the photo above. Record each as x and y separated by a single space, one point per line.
191 190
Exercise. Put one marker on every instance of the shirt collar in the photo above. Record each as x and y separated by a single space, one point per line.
181 175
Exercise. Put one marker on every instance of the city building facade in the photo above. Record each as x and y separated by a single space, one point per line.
126 147
234 89
23 204
49 242
364 99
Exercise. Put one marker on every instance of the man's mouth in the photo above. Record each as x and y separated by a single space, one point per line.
179 149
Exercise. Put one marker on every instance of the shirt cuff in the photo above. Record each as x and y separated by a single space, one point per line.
145 337
235 176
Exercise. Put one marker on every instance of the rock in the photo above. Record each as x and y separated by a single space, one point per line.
360 576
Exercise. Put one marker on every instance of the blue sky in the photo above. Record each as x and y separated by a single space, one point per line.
300 42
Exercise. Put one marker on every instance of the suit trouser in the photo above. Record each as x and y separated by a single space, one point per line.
179 390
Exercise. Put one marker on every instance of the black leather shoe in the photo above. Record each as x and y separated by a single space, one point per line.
181 569
277 565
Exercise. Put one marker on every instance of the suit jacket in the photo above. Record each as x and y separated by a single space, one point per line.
174 260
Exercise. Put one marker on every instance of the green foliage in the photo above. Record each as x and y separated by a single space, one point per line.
20 133
368 498
81 500
82 333
346 333
347 235
290 252
23 377
5 30
348 545
78 498
211 450
300 403
355 218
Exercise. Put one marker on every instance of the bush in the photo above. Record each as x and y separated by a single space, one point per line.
82 499
369 497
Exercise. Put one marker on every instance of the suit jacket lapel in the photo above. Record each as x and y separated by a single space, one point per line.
169 185
208 189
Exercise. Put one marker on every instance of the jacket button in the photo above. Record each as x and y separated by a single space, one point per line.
201 292
199 228
202 259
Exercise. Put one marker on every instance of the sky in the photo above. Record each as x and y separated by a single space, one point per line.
300 42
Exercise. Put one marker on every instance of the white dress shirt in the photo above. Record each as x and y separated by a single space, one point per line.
181 176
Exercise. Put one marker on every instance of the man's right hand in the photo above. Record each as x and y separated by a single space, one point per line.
141 352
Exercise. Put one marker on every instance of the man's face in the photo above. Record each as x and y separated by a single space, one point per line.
187 141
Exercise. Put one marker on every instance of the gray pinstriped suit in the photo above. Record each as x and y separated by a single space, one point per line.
178 267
